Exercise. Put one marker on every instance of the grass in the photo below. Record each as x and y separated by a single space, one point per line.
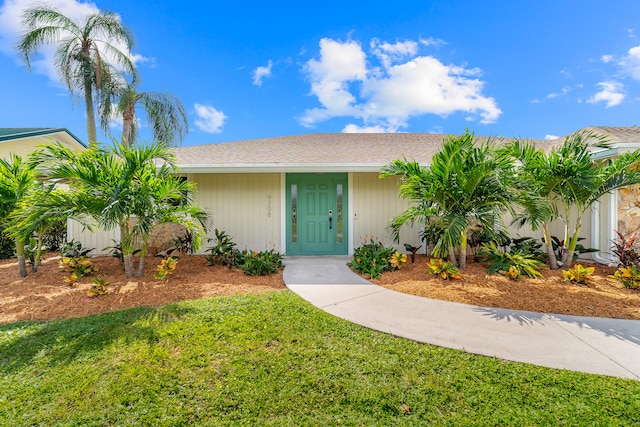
274 360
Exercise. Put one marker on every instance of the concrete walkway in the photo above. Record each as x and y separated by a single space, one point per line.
585 344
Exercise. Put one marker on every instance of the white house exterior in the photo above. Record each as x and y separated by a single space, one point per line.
320 194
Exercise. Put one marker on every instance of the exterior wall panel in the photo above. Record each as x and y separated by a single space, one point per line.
375 203
245 206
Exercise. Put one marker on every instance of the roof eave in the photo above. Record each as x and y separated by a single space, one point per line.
281 167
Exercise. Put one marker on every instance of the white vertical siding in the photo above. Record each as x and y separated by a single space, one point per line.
246 206
97 239
375 203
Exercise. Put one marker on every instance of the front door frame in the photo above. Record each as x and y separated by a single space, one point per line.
344 248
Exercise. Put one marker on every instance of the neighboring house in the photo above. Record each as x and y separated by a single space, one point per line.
23 141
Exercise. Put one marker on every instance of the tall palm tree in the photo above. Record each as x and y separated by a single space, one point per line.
166 116
464 186
126 187
567 181
83 50
17 179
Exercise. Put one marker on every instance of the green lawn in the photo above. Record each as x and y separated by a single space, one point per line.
276 360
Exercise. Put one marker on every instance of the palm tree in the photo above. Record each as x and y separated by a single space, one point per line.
166 116
465 186
83 50
126 187
565 182
16 180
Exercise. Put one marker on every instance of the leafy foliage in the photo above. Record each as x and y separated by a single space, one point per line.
7 246
412 250
578 274
372 258
443 269
504 261
184 243
78 266
99 287
116 251
527 246
74 248
254 263
626 249
223 252
628 276
397 259
561 249
166 267
54 238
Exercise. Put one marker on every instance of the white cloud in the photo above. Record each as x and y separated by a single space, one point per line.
432 42
386 97
261 73
390 53
612 94
631 63
550 137
606 58
353 128
565 90
11 30
209 119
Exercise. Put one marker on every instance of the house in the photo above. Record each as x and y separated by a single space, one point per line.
320 194
23 141
313 194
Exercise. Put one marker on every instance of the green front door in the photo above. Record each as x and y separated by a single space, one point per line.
317 214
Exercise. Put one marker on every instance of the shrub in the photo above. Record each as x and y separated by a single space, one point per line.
223 252
578 274
372 258
99 288
7 246
184 244
626 249
500 261
628 276
397 259
528 246
166 267
443 269
78 267
116 251
412 249
56 236
74 249
255 263
560 249
513 273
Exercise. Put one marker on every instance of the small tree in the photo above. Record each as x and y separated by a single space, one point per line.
464 186
565 182
129 187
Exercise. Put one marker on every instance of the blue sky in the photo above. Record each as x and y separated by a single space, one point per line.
248 70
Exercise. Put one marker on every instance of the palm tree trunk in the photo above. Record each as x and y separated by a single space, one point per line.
129 271
452 256
92 134
22 262
551 255
463 250
143 256
573 243
127 120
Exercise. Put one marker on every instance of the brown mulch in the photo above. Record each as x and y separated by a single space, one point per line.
601 297
45 296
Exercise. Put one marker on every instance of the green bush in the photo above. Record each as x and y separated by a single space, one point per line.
372 259
255 263
7 246
510 263
223 252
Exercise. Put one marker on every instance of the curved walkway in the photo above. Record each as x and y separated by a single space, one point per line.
586 344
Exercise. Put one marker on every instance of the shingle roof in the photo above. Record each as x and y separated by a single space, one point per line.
324 152
618 134
319 151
